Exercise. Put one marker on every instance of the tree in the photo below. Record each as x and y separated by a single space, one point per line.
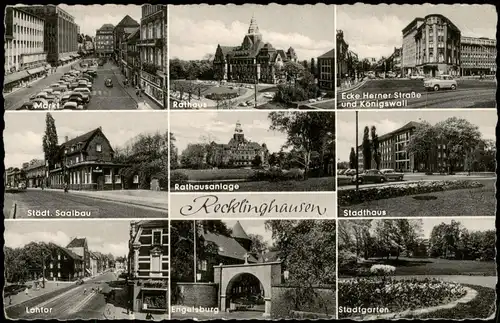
173 151
460 137
375 146
257 161
313 68
293 70
396 236
50 141
306 132
259 245
422 143
367 149
444 239
352 159
305 64
194 156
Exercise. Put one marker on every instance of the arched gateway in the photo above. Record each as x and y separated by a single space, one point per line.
268 274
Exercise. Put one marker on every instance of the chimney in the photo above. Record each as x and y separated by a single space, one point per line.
66 139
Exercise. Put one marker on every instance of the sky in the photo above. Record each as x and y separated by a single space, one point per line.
387 121
92 17
476 224
219 127
102 236
256 227
196 30
24 131
374 30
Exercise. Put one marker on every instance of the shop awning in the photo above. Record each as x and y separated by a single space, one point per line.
16 76
36 70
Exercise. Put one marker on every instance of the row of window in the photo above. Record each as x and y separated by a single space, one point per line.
153 30
152 55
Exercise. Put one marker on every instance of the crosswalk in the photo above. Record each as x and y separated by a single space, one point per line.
101 92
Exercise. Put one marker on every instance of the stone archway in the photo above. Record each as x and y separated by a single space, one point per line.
268 274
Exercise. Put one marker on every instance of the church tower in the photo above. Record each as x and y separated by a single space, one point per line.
239 234
253 31
238 133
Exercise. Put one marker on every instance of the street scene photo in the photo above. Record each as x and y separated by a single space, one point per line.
252 151
253 269
58 166
440 268
416 163
85 57
416 56
252 57
98 270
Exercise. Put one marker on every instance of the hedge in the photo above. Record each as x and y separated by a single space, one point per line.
351 197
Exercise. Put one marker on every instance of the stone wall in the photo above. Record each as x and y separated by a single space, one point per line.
195 294
316 302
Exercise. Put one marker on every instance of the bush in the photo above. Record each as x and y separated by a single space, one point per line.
221 96
396 295
382 270
347 260
178 177
277 174
351 197
295 174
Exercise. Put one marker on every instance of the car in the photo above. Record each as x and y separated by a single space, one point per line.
417 77
242 104
350 172
88 77
370 176
83 96
21 186
26 106
249 102
84 90
341 171
54 85
92 73
440 82
391 174
312 100
85 84
268 95
73 85
72 105
75 98
41 95
108 83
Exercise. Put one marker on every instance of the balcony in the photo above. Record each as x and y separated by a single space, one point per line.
150 42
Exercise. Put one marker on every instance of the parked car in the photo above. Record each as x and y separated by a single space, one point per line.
440 82
370 176
48 90
26 106
21 186
54 85
85 84
83 96
417 77
72 105
75 98
391 174
84 90
242 104
108 83
341 171
350 172
312 100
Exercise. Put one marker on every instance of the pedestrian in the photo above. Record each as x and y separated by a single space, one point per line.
149 316
10 299
26 291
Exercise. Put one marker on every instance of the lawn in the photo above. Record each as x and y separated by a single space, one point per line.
325 105
463 202
481 307
312 184
207 89
217 174
434 266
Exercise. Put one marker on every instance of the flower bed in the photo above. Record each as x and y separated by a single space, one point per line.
396 295
351 197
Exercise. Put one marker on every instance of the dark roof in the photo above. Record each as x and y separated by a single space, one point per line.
153 223
228 247
83 139
77 243
36 163
239 232
107 26
70 253
134 33
127 21
328 54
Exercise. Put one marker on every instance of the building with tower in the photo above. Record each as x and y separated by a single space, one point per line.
238 152
253 61
104 41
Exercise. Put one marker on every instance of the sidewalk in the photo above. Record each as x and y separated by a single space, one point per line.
143 102
33 293
146 198
352 87
117 310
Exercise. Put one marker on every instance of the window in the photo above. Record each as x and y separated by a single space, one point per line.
107 179
156 238
136 179
156 263
118 179
51 265
77 159
204 265
98 148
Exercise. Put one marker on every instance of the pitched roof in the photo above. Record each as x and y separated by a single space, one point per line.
77 243
71 254
328 54
228 247
83 139
127 21
107 26
239 232
134 33
36 163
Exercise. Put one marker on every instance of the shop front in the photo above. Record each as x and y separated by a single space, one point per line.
154 86
150 295
14 80
88 177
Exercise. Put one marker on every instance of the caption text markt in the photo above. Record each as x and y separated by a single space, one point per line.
209 204
59 213
378 100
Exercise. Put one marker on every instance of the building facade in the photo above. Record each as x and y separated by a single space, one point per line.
133 59
120 33
342 57
86 163
437 42
35 173
253 61
94 260
238 152
478 56
326 65
64 265
13 176
153 53
104 41
148 266
80 247
60 33
25 55
394 61
409 58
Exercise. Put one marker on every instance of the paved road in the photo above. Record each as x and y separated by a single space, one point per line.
54 201
422 177
469 94
114 98
15 100
75 304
